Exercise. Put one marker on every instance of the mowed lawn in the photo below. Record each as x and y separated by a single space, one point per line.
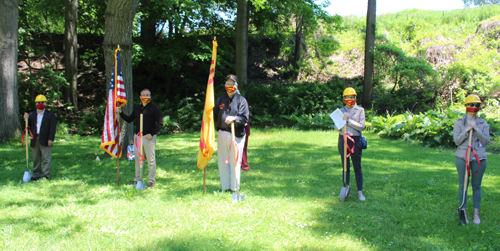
291 199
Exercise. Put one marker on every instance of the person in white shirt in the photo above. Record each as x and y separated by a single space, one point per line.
42 125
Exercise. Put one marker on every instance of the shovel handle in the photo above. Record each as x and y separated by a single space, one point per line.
232 130
345 148
140 144
26 127
27 144
466 181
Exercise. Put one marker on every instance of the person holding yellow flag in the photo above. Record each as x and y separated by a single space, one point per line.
231 107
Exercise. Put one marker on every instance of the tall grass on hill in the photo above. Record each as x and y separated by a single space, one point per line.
291 204
452 24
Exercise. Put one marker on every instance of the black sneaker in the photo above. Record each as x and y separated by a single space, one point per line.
225 191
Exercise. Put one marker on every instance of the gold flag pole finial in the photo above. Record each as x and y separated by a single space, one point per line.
118 46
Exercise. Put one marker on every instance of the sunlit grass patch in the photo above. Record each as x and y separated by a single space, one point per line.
291 188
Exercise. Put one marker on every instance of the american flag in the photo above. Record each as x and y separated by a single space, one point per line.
116 96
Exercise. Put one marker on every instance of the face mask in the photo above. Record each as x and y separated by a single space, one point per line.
145 101
472 110
230 89
350 102
40 106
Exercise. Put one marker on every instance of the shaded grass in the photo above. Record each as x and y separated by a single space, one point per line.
291 204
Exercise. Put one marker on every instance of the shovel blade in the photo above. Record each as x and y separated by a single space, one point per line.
140 185
461 216
238 197
27 176
344 193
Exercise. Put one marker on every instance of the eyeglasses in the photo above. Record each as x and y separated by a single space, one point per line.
230 83
473 105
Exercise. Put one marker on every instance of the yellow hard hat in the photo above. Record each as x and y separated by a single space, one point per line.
473 98
349 91
40 98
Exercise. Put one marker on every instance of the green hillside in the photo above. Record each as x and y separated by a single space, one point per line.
436 56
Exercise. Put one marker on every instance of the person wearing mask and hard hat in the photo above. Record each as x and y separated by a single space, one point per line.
477 160
230 107
42 125
354 116
152 123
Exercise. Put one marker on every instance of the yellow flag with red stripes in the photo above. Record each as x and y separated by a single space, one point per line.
207 125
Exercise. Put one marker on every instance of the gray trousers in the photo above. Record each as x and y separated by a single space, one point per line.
229 178
41 153
475 179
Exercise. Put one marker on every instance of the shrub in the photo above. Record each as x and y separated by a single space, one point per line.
433 128
302 105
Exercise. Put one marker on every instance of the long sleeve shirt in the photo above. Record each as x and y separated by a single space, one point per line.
152 118
480 138
356 122
236 106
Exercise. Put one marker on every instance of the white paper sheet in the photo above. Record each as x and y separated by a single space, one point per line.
337 117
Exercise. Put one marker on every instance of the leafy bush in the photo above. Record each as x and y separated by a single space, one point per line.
301 105
91 120
169 125
433 128
413 80
189 113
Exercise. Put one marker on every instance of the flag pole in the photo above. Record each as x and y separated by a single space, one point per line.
207 126
204 179
119 138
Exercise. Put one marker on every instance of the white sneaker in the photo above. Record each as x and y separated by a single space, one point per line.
361 197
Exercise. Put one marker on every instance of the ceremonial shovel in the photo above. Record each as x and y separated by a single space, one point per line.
140 183
233 161
29 173
461 213
345 190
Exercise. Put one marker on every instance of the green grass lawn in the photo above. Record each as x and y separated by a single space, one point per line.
292 199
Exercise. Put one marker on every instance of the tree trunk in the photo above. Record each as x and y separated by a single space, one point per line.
9 99
170 27
118 31
242 42
71 49
369 46
298 46
148 26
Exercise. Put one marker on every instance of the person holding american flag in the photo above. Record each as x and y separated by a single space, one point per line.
152 123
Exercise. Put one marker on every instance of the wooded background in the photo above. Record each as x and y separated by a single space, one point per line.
291 57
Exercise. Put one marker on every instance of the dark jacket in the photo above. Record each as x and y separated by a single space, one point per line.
152 119
235 106
47 128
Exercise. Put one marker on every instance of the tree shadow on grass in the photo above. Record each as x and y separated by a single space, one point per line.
199 241
411 200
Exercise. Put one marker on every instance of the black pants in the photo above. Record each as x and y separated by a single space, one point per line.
356 160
